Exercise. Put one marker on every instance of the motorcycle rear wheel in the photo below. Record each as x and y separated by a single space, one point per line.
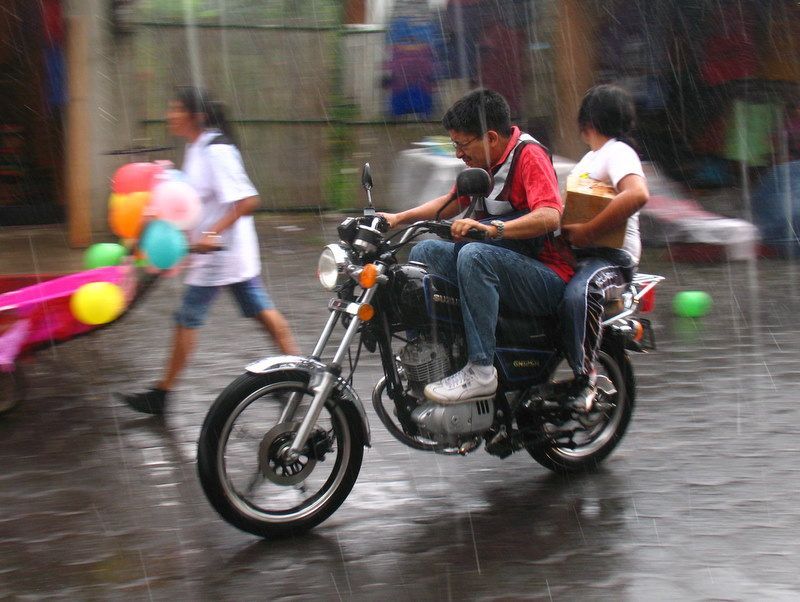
241 468
604 437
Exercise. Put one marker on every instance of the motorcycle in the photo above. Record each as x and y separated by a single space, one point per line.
281 447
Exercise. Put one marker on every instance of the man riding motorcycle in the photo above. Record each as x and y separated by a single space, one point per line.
525 266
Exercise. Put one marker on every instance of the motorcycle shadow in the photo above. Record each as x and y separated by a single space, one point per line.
523 535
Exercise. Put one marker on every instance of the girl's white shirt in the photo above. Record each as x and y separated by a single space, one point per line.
609 164
217 173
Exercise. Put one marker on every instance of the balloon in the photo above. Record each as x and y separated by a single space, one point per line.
175 175
176 202
97 303
692 304
103 254
126 212
115 199
164 244
135 177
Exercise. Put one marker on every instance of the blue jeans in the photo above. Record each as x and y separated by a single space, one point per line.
489 276
597 279
250 295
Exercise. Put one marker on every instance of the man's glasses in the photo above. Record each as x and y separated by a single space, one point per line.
460 146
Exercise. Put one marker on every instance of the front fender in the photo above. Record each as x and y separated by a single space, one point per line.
312 367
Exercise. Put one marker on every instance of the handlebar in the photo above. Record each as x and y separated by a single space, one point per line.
442 230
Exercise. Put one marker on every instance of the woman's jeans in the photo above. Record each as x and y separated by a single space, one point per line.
597 278
488 276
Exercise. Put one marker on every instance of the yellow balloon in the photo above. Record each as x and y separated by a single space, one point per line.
97 303
116 199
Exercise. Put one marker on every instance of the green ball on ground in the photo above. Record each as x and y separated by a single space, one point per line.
692 304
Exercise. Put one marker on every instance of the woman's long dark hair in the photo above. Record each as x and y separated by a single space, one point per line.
197 100
610 110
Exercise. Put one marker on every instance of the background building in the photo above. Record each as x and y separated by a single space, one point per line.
318 87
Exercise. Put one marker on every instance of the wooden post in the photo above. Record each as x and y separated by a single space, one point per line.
574 63
77 135
355 12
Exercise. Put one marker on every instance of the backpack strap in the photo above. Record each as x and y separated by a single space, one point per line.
512 168
221 139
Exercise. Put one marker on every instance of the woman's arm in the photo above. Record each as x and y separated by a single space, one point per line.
632 195
211 239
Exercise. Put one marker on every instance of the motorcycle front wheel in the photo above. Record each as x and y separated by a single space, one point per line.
594 441
241 461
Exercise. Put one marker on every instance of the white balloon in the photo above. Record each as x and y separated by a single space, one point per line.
177 202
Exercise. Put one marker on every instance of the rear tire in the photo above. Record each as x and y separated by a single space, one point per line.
220 451
613 361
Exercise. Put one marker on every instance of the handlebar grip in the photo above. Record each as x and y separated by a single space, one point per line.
441 229
476 234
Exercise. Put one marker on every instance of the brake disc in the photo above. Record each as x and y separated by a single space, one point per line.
272 454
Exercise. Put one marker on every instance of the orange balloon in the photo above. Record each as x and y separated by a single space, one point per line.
126 212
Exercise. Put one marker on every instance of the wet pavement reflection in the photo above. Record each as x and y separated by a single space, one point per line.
699 502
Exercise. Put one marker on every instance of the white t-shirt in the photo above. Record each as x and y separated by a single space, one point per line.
609 164
217 173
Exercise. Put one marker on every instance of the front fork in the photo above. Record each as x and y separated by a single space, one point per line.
323 381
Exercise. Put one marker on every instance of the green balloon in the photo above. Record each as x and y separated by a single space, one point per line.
104 254
691 304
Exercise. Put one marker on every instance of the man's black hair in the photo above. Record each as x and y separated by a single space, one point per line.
610 110
478 112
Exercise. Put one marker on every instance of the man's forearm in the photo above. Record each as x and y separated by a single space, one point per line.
533 224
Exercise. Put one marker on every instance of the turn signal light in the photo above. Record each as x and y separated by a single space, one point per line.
368 276
366 312
638 330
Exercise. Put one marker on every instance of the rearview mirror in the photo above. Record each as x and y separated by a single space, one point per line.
473 181
366 177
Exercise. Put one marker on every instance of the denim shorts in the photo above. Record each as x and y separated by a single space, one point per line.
250 295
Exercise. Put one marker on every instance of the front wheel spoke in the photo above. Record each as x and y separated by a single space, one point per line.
255 481
245 434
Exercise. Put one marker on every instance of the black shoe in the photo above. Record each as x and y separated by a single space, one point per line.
152 401
582 394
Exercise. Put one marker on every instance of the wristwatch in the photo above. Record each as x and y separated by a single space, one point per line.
500 225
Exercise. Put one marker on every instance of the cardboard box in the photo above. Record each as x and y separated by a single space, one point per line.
585 199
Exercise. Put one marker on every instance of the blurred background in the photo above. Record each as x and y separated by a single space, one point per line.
318 87
699 503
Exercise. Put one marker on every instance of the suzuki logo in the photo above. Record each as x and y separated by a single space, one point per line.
442 299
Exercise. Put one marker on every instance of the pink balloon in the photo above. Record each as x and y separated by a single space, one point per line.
176 202
135 177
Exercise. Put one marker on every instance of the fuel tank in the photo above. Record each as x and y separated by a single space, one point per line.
417 298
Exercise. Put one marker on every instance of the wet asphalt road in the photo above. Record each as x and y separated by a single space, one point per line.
698 503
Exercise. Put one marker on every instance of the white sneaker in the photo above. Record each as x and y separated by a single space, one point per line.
464 385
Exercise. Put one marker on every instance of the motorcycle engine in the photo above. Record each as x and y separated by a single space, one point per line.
450 423
425 361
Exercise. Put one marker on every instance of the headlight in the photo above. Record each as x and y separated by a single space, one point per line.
331 267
